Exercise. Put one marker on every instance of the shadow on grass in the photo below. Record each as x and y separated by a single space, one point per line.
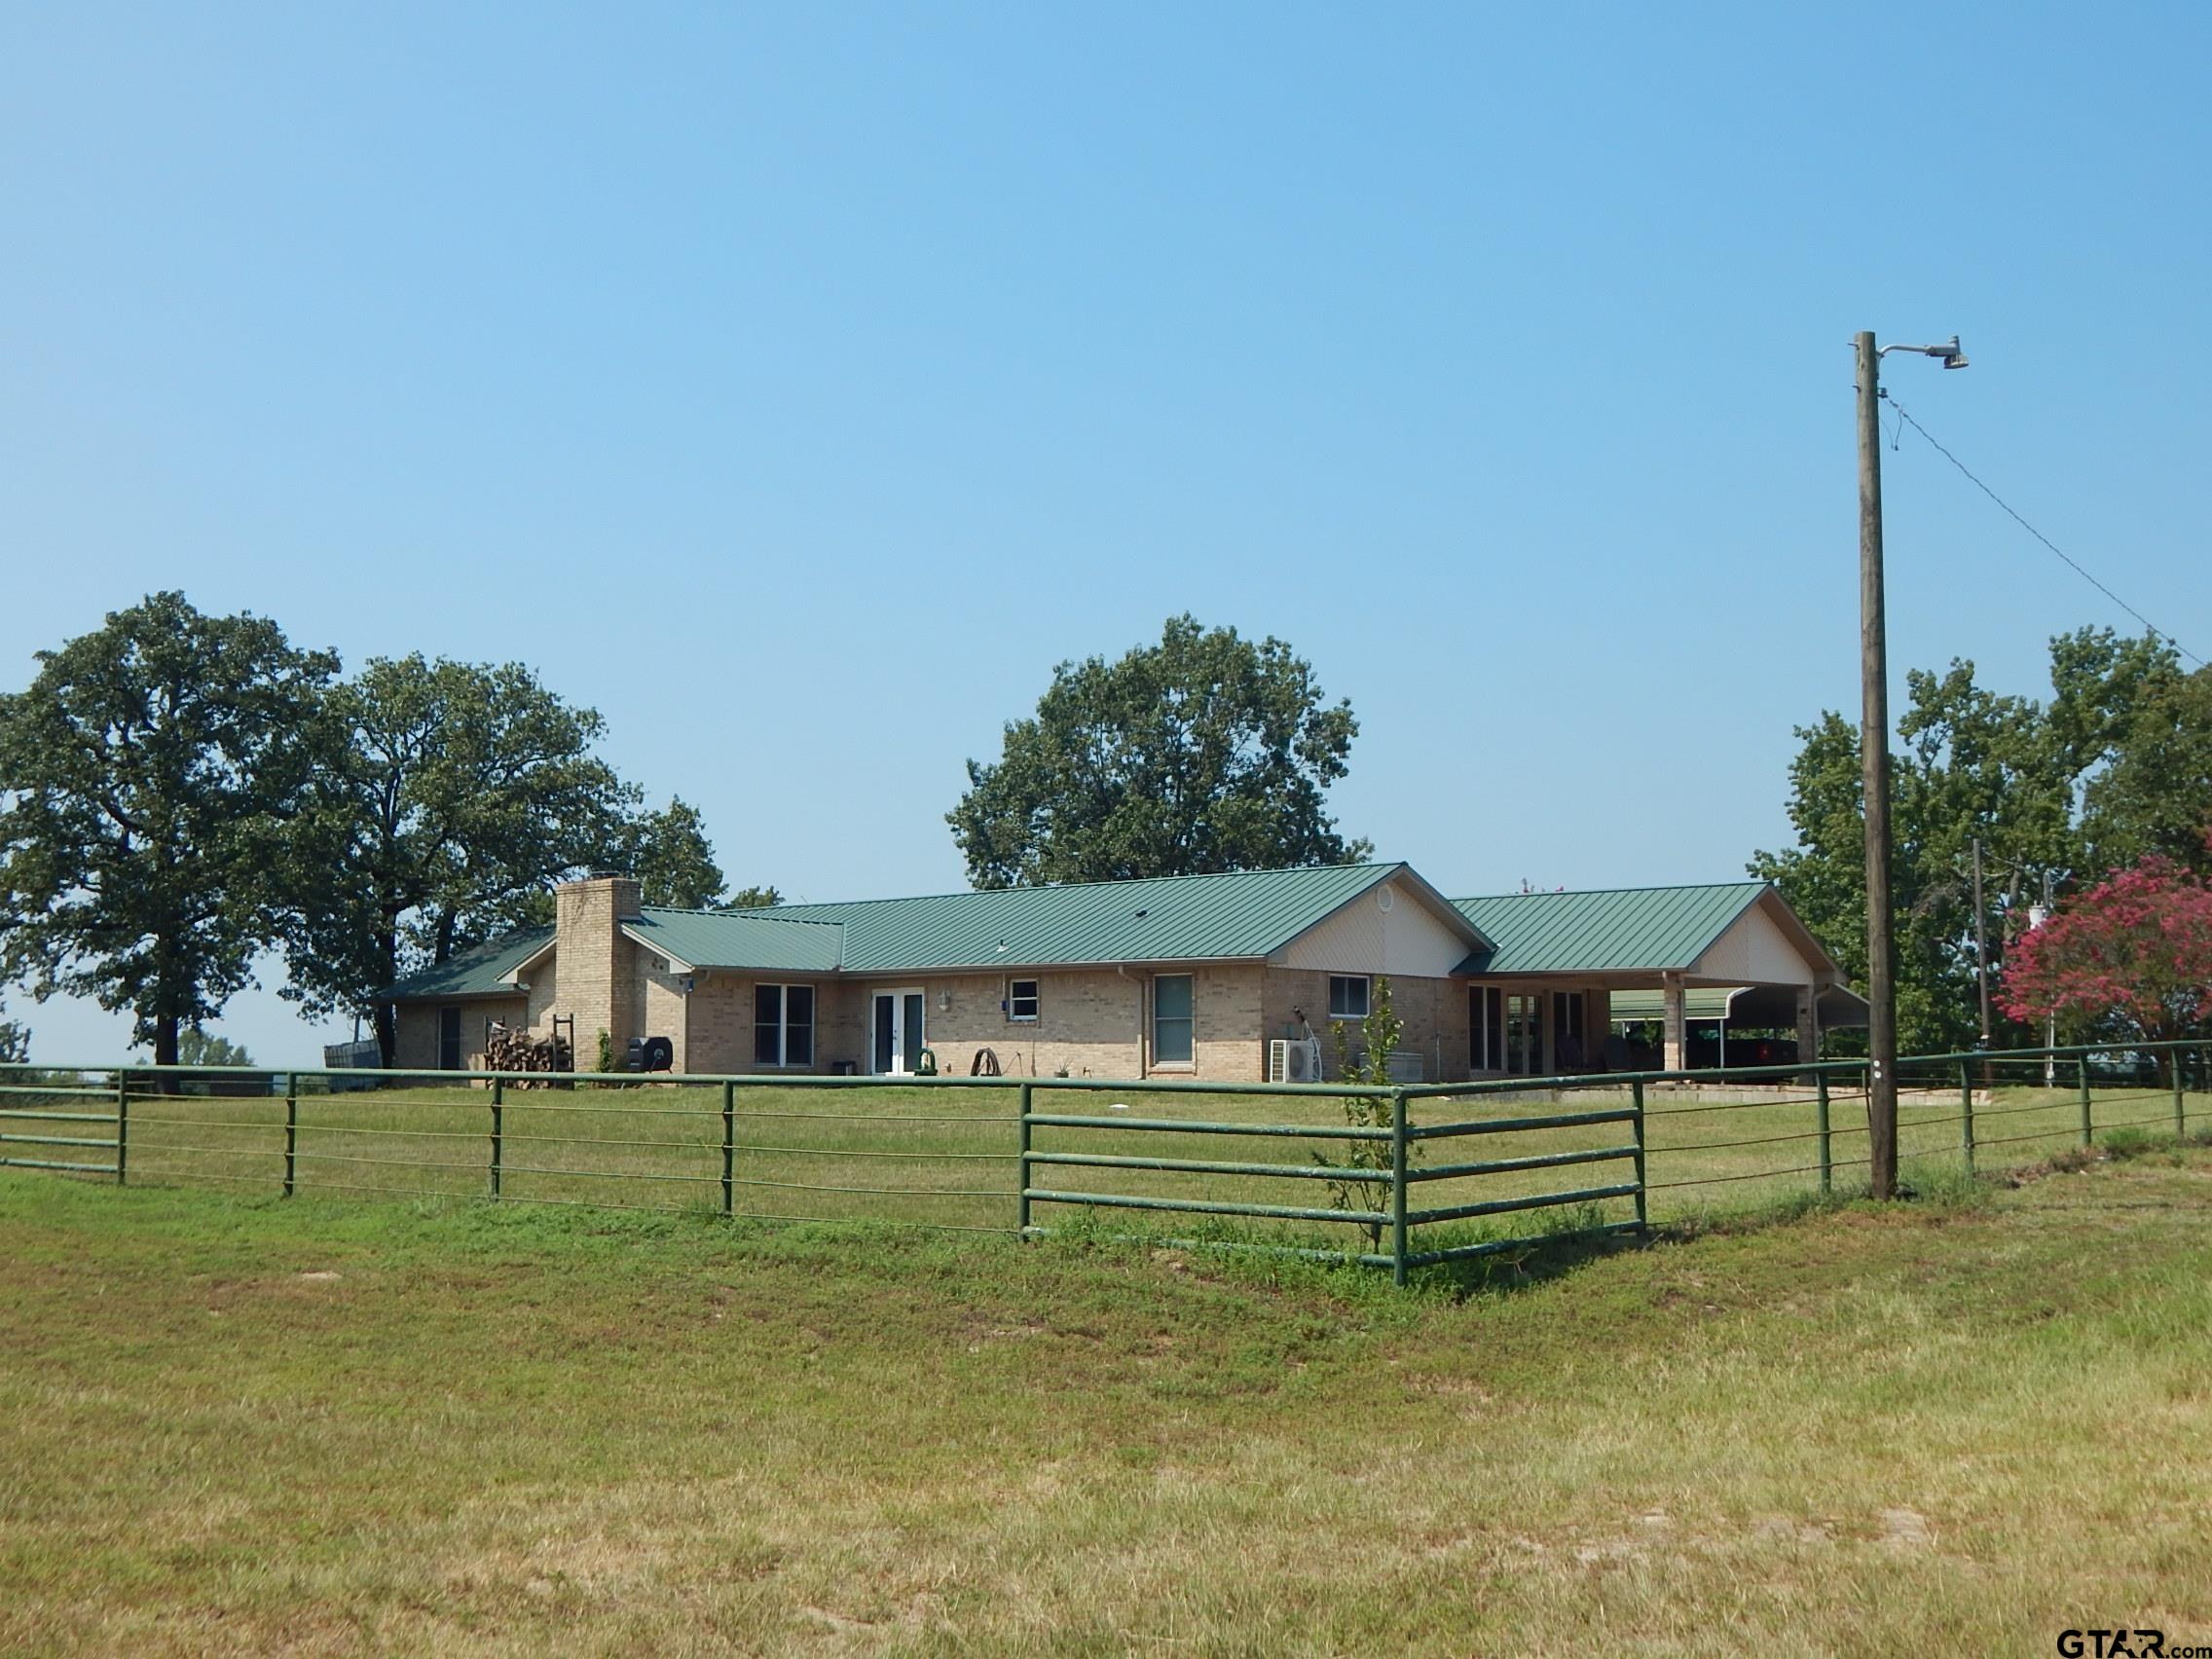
1580 1235
1319 1262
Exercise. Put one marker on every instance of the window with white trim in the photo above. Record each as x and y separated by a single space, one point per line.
783 1025
1485 1018
1022 1001
1348 996
1172 1005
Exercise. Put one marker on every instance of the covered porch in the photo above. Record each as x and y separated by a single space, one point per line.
1717 1021
1537 1027
1571 975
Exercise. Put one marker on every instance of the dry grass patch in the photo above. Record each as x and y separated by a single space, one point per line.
498 1431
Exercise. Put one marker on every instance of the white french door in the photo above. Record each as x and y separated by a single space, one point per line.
895 1032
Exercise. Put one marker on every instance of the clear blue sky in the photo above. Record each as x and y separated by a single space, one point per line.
798 387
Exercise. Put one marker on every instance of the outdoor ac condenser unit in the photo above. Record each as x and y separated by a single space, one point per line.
1294 1059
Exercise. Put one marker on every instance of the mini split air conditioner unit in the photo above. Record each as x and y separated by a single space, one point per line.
1294 1059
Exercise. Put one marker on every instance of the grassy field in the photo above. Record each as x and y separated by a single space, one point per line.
231 1423
947 1156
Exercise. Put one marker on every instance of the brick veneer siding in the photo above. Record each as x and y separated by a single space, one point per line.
663 1006
719 1025
416 1035
1434 1013
598 980
543 981
840 1025
1090 1023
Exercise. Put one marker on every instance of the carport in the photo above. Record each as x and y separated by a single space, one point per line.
1562 968
1746 1007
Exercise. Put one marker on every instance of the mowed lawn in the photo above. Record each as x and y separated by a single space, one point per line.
231 1423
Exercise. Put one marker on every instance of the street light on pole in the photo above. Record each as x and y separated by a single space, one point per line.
1874 764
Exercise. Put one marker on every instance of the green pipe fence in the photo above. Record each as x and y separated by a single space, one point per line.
1965 1114
1390 1190
729 1148
292 1135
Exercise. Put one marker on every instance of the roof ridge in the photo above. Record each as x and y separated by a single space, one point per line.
1595 892
1069 886
761 913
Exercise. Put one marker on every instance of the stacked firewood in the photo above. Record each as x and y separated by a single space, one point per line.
514 1049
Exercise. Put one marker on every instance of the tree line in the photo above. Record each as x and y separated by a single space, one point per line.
180 793
2111 774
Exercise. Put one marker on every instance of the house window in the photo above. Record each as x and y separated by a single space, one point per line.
1486 1014
1567 1051
449 1039
1347 996
1171 1019
1524 1034
1021 999
783 1025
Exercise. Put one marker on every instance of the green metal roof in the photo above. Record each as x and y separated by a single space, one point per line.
1239 915
1773 1007
1632 929
1699 1002
708 939
478 972
1243 914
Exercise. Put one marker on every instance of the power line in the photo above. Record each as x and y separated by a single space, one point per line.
2156 632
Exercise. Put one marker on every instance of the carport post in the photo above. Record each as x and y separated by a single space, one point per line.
1674 1024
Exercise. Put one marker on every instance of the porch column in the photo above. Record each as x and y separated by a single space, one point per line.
1808 1023
1673 1047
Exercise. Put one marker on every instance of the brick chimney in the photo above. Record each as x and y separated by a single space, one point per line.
595 968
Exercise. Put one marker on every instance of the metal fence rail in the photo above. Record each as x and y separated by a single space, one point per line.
1387 1162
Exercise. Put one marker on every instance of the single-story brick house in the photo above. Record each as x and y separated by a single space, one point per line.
1193 976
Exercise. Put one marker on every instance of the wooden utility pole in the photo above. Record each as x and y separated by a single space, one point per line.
2051 1021
1874 769
1981 942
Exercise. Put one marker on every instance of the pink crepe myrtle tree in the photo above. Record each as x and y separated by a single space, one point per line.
2135 948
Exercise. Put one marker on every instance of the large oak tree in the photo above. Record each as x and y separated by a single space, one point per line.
151 779
674 862
450 799
1206 752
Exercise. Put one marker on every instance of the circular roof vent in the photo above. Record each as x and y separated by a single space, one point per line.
1385 899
